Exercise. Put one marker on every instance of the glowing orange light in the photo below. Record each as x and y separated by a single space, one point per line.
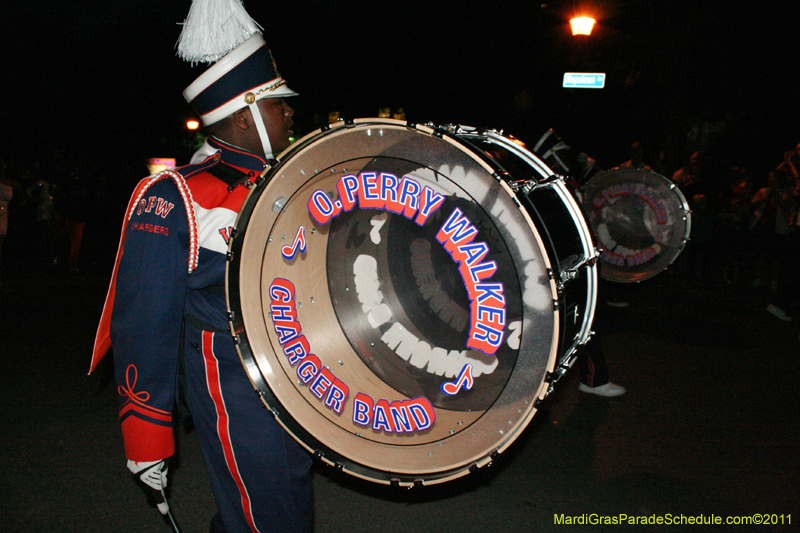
192 124
582 25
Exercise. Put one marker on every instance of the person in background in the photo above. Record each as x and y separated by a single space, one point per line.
774 227
6 194
636 162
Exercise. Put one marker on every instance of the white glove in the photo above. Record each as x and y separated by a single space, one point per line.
153 475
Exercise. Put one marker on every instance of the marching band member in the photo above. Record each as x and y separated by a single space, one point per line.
166 313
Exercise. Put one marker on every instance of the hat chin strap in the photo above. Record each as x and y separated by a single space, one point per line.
262 130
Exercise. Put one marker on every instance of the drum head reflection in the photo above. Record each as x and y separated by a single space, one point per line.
641 221
402 303
392 302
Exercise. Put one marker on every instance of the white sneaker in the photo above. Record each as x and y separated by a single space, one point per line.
608 390
778 312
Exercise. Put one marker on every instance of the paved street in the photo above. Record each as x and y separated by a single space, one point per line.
708 427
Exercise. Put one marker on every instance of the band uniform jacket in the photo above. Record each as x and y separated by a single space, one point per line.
170 267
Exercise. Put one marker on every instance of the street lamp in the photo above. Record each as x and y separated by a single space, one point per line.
192 125
582 25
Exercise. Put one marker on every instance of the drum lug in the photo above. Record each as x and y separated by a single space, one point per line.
456 129
567 276
229 256
551 378
527 186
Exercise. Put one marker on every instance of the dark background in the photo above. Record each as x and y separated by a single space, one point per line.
710 421
101 79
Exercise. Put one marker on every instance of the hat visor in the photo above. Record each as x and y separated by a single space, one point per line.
280 92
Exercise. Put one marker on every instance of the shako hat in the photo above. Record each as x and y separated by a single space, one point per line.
243 76
243 70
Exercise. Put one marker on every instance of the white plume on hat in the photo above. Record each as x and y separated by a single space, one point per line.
213 28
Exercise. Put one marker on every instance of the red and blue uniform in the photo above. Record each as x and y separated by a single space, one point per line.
167 302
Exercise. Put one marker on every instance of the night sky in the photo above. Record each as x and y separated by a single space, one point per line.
100 79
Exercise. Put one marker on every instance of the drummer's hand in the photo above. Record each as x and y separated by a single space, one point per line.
152 475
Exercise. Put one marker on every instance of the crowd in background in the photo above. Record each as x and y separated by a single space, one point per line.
55 216
745 228
64 214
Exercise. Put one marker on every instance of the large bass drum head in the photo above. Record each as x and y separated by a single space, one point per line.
641 221
391 302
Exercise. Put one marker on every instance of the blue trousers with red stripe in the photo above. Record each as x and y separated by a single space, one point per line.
592 363
261 477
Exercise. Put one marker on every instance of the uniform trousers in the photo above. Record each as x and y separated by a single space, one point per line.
261 477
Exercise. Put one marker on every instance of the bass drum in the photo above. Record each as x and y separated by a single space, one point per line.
641 220
398 302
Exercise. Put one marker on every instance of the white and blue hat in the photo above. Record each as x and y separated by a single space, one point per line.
243 76
243 70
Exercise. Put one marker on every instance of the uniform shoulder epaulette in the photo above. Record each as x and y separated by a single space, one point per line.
214 165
